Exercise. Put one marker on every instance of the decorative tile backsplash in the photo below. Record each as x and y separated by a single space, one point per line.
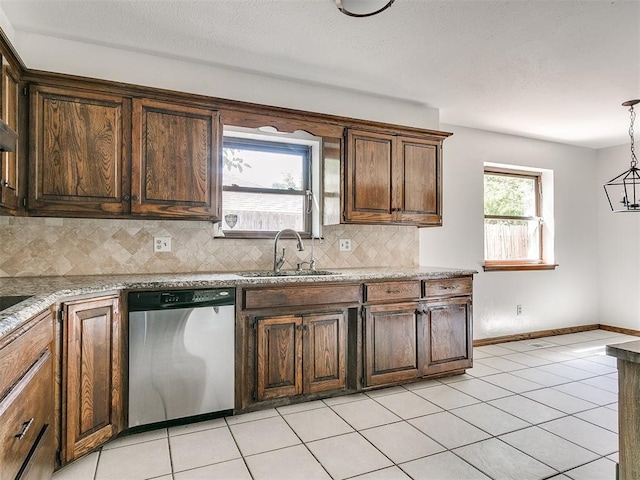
56 246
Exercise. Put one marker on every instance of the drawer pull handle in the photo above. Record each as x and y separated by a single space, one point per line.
25 427
394 291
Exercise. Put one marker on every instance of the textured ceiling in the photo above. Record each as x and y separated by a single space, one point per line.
551 69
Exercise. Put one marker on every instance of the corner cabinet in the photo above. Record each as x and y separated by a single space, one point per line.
27 443
103 155
12 165
392 179
176 154
92 385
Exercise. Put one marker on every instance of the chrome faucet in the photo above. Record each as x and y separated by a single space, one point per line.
279 261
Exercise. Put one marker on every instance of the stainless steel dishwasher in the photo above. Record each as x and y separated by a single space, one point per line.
181 355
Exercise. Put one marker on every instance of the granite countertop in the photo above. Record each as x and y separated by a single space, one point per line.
46 291
628 351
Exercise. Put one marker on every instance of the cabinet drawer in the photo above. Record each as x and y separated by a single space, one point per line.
300 296
19 352
392 291
23 414
448 287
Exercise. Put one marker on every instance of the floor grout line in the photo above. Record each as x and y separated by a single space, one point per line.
378 397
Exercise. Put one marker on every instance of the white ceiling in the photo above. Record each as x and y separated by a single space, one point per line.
550 69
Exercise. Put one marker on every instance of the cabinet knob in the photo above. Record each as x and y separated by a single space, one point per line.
25 427
4 183
134 198
125 197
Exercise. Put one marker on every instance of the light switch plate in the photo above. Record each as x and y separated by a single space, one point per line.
161 244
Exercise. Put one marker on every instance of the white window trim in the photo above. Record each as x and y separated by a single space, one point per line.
546 212
298 137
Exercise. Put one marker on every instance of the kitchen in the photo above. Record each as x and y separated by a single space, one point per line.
591 285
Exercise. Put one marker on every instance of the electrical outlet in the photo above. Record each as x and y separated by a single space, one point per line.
518 309
345 244
161 244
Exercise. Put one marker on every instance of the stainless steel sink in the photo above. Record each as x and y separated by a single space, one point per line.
11 300
288 273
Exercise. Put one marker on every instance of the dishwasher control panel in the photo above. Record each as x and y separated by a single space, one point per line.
158 300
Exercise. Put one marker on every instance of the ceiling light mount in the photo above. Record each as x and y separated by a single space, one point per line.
363 8
626 186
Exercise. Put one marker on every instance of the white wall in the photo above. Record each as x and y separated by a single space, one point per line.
619 253
551 299
65 56
564 297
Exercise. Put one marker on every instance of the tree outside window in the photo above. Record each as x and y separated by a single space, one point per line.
265 188
512 219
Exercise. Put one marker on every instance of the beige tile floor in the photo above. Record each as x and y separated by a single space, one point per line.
533 409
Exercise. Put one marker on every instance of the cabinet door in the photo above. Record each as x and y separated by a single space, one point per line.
417 186
175 169
279 357
368 179
449 335
11 182
78 153
93 411
324 352
394 345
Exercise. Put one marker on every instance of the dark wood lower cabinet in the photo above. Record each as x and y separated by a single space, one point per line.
27 447
92 406
406 341
449 335
299 354
279 357
324 351
393 343
41 461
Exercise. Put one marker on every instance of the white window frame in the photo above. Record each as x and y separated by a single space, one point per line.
544 213
297 138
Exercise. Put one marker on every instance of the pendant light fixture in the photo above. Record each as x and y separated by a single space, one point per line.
623 191
363 8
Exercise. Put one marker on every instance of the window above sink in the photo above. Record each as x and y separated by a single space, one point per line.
269 182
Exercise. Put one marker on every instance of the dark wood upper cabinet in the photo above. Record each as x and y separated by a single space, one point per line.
12 184
104 155
368 177
392 179
418 191
175 158
79 158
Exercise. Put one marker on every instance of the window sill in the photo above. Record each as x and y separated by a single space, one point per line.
259 235
494 267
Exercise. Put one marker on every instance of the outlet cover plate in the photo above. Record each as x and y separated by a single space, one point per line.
345 244
161 244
